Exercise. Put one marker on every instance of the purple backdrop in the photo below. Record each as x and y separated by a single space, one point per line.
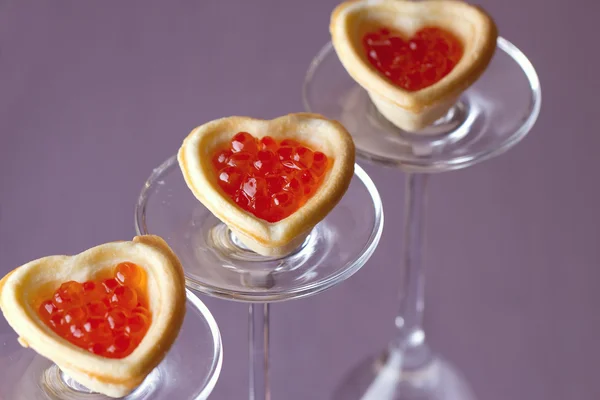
93 95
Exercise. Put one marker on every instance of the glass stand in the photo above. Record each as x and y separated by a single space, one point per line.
490 117
189 371
218 264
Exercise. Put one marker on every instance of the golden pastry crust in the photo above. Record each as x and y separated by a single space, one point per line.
415 110
22 288
282 237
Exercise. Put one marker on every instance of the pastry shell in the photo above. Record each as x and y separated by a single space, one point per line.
282 237
23 288
413 111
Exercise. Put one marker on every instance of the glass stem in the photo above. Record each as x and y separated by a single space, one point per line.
410 339
259 351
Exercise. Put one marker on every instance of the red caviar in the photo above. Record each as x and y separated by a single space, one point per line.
108 317
415 63
267 178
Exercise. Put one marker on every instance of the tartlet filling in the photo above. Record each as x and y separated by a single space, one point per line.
268 178
416 63
108 317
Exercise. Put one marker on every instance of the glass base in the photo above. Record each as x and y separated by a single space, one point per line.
491 116
387 378
55 384
217 263
189 371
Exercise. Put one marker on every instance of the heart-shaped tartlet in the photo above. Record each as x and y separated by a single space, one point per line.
270 181
414 58
106 317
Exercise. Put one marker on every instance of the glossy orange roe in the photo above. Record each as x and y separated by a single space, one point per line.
107 317
267 178
415 63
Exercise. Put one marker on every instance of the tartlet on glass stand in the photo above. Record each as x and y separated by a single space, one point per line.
302 150
414 59
104 324
425 87
263 211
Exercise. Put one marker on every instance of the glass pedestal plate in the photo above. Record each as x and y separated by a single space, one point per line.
217 264
490 117
188 372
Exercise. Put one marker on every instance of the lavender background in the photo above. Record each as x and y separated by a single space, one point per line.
94 94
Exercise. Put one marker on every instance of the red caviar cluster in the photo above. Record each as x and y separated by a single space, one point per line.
107 317
416 63
267 178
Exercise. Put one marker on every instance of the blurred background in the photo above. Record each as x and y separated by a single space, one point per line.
95 94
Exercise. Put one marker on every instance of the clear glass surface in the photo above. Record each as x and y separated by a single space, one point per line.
383 378
216 263
490 117
188 372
